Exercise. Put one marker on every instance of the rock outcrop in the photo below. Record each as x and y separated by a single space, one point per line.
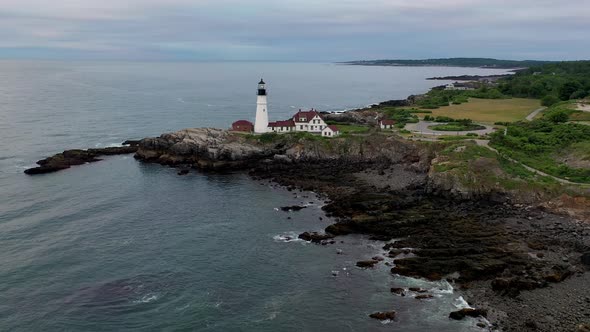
70 158
205 148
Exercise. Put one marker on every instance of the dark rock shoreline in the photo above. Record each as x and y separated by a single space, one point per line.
74 157
495 250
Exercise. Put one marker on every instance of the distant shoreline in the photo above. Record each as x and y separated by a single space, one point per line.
483 63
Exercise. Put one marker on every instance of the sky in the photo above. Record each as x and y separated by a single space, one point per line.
290 30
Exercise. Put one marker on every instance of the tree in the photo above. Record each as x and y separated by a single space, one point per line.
558 116
579 94
549 100
568 89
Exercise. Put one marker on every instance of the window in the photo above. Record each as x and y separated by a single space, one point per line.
301 127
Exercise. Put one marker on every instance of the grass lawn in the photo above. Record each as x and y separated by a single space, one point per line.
490 110
352 129
456 127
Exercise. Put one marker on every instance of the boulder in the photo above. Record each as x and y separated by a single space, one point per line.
385 315
292 208
398 291
424 297
366 264
315 237
471 312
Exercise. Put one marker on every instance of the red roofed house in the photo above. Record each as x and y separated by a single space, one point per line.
330 131
282 126
242 125
310 121
387 124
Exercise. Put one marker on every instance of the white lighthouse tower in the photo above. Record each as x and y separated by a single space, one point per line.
261 124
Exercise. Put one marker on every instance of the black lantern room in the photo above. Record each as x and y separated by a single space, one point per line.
261 88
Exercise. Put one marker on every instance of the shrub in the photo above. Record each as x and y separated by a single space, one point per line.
549 100
558 116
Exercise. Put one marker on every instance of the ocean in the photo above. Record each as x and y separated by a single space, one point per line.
122 246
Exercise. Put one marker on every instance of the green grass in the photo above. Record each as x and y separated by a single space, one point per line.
352 129
456 127
464 160
490 111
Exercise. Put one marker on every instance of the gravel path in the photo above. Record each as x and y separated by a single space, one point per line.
531 116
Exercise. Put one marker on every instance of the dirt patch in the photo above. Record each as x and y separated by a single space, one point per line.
584 107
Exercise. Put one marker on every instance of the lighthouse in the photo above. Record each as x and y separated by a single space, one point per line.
261 124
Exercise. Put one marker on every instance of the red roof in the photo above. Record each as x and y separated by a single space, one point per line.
242 125
284 123
306 115
334 128
388 122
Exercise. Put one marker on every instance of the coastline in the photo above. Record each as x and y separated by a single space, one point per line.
390 197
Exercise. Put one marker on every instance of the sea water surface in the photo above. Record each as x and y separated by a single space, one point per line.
123 246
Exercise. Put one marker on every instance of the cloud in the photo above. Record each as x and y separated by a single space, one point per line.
296 30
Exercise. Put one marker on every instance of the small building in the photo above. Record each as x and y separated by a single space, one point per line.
330 131
242 125
387 124
459 86
285 126
310 121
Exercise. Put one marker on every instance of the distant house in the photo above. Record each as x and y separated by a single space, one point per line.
386 124
282 126
242 125
330 131
459 86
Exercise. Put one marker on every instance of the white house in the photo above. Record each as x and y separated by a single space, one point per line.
330 131
310 121
386 124
458 86
282 126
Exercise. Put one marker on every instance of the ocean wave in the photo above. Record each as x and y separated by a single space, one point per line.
287 237
146 299
460 303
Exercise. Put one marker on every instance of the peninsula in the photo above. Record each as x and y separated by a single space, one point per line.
471 209
452 62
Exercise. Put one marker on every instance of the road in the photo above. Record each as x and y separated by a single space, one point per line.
531 116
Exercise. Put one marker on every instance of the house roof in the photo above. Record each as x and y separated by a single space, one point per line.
332 127
242 123
261 81
284 123
306 115
388 122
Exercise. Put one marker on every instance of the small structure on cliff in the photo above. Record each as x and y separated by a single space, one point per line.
330 131
242 125
386 124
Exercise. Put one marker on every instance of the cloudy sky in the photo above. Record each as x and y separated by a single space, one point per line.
306 30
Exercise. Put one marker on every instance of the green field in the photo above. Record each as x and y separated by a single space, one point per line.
352 129
490 110
456 127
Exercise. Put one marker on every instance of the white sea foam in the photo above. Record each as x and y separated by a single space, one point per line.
443 288
147 298
460 303
287 237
